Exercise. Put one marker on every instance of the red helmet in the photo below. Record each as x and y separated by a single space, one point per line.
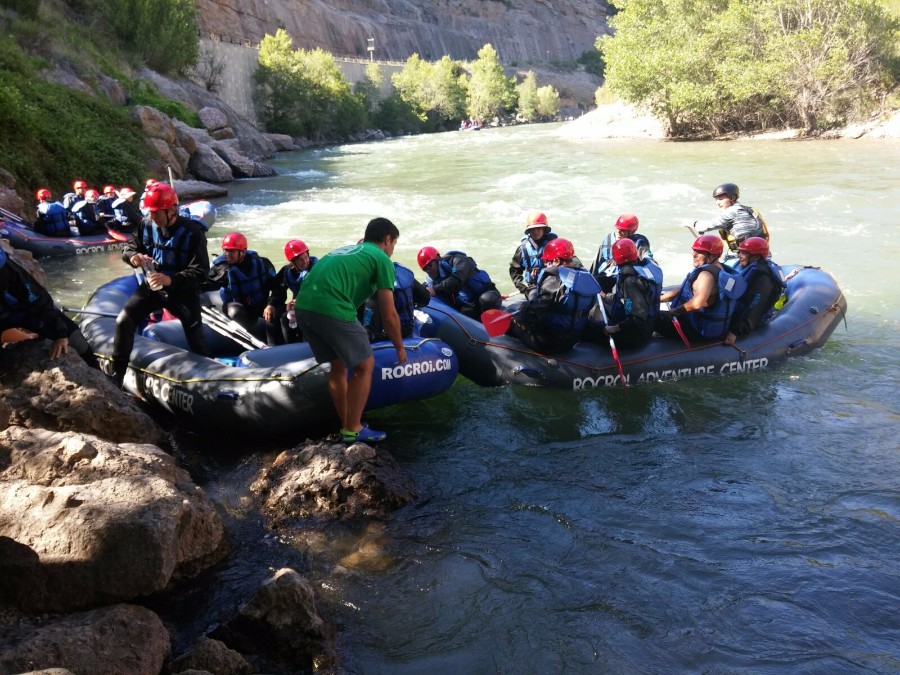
92 196
535 219
109 190
79 184
234 241
624 251
627 222
709 243
755 246
160 197
150 183
427 254
294 248
558 248
43 194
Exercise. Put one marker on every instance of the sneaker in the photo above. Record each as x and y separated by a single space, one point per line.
364 435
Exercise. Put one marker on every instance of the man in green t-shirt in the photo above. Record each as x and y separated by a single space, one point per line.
326 313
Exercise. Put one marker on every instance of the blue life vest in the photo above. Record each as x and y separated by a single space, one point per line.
54 218
11 311
653 275
531 257
473 288
713 322
403 295
294 279
84 213
247 288
604 263
764 266
570 314
172 254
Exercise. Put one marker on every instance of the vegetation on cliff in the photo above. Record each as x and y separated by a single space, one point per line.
707 68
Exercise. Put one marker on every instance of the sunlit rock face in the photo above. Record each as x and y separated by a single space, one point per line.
521 31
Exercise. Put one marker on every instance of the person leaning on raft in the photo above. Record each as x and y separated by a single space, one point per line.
765 284
25 304
326 312
52 218
172 249
555 316
409 293
290 278
246 282
526 262
737 221
706 299
456 279
633 307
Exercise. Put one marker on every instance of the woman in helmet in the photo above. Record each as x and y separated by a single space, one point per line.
526 262
85 213
289 278
737 221
456 279
172 249
765 284
633 308
127 215
52 218
707 296
604 268
246 283
555 316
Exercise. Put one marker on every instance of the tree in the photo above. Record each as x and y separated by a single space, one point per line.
710 65
490 92
528 97
548 101
433 90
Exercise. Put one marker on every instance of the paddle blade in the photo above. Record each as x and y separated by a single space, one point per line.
118 236
680 331
496 321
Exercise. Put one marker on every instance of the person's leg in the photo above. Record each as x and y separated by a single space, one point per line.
358 393
186 307
137 307
337 388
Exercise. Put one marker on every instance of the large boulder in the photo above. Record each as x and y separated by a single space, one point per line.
332 481
207 165
241 165
212 656
197 189
67 395
212 118
118 640
86 522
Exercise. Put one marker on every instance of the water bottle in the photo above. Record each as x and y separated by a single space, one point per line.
149 269
292 318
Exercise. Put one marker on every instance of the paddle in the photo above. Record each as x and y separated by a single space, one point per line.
692 229
90 312
13 217
216 320
496 321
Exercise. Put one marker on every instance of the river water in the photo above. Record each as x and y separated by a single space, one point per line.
742 524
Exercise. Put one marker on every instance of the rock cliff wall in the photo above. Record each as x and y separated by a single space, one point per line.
532 31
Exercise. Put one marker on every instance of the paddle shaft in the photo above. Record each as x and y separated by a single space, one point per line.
612 343
236 329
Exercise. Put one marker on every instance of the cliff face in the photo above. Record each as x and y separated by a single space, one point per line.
520 30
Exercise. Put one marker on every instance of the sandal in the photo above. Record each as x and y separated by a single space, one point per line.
364 435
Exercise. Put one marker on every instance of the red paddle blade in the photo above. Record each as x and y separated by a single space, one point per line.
496 321
118 236
680 331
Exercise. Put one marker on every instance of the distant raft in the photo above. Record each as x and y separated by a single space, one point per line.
21 235
814 307
262 393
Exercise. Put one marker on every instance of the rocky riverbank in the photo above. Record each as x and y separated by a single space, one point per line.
97 519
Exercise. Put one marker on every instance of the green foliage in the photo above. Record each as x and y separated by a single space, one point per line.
490 92
303 92
707 66
593 62
396 115
528 97
434 91
162 32
25 8
52 135
548 102
142 92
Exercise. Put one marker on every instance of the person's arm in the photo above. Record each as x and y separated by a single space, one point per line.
703 288
391 321
449 285
633 290
420 294
754 304
517 271
197 269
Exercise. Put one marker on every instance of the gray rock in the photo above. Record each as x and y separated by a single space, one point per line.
212 118
85 522
206 165
156 124
241 165
282 142
211 656
118 640
189 190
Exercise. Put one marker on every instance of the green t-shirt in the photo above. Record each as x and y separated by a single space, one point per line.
344 279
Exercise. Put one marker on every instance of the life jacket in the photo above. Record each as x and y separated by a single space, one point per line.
712 323
652 275
126 213
245 287
604 263
104 206
764 266
403 295
749 223
570 313
54 218
11 311
531 257
84 213
173 253
477 284
294 279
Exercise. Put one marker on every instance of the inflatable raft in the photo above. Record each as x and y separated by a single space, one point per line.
21 235
273 392
814 307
